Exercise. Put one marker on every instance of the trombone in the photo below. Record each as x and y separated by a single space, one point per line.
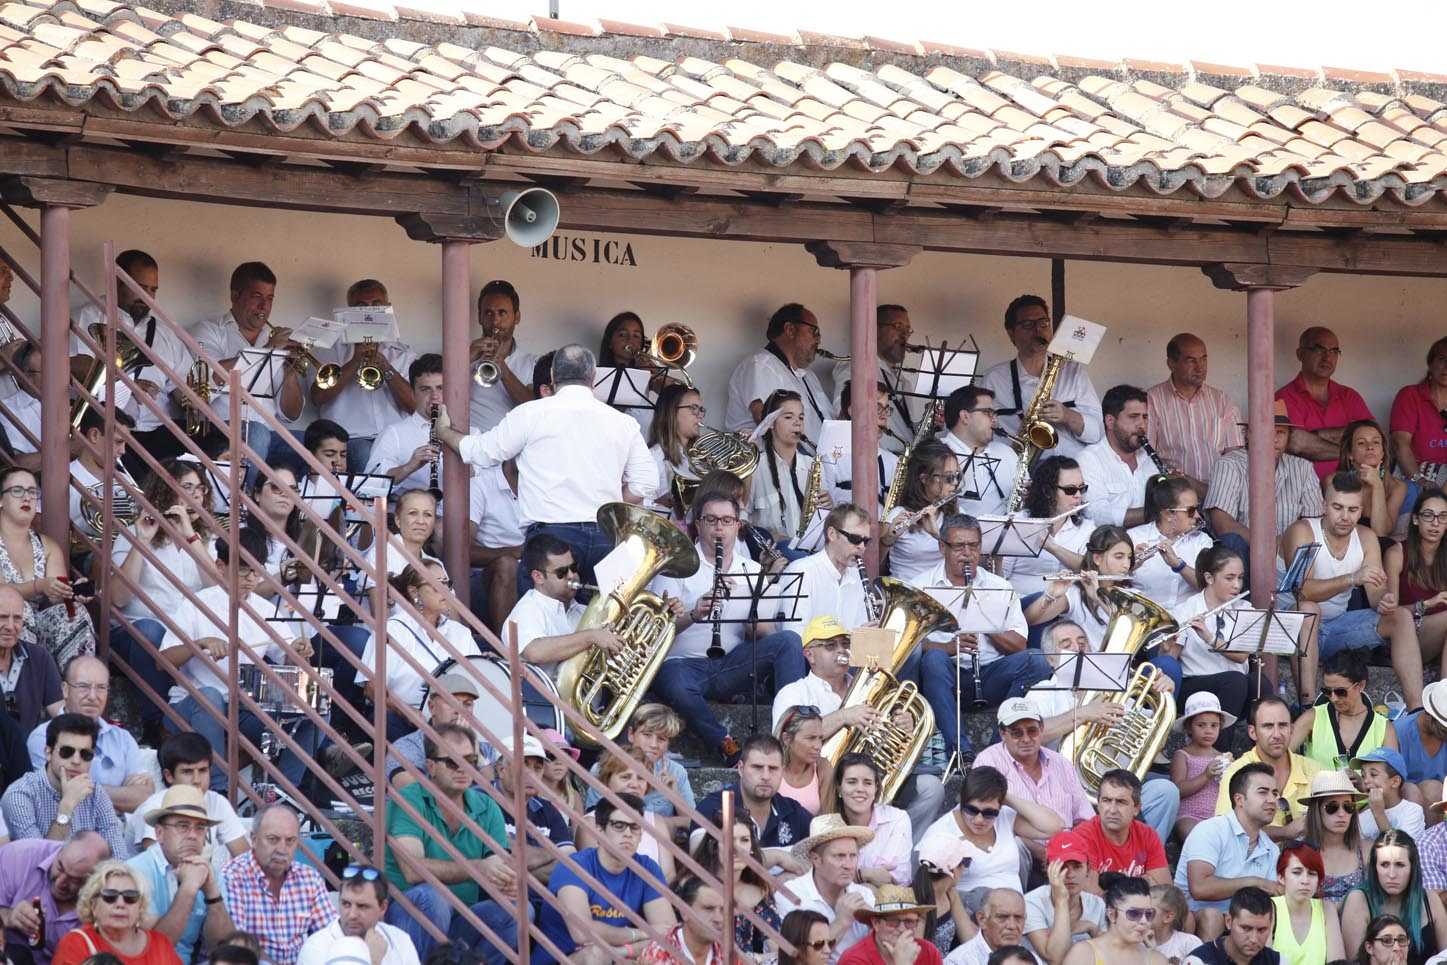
673 346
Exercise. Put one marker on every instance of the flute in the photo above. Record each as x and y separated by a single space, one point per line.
1070 576
720 590
1209 613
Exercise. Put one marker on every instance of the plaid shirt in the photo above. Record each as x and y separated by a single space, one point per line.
31 804
1432 849
282 924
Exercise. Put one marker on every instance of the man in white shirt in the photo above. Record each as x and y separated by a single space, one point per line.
88 470
828 582
546 616
362 904
495 541
793 335
185 759
838 474
21 409
1002 922
892 332
574 453
362 412
987 462
246 328
404 449
706 662
1117 469
1073 408
1007 667
499 312
832 850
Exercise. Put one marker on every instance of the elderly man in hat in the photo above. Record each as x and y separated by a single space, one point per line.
892 922
182 891
832 850
1063 912
1422 739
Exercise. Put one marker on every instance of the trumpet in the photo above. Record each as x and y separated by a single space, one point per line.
369 374
300 359
832 356
487 373
199 381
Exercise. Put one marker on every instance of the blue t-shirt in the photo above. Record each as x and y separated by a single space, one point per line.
1420 767
625 889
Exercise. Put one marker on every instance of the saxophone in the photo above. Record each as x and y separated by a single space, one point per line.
901 469
1036 435
811 496
911 614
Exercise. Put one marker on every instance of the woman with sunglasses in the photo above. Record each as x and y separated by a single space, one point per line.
1203 667
932 478
1307 930
38 568
808 932
1057 489
676 425
1419 572
801 731
856 785
779 487
751 889
1343 723
1332 829
1129 917
111 907
1364 451
1108 552
1167 546
1393 886
278 500
1386 942
991 820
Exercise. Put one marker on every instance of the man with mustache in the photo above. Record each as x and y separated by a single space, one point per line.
1116 468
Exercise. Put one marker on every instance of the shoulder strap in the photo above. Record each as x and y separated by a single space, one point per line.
90 945
1015 389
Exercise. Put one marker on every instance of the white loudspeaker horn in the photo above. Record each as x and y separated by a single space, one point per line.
529 217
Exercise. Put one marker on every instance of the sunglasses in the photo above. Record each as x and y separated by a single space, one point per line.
1139 914
1335 807
1080 490
821 944
365 872
66 753
112 895
855 539
1337 692
563 571
803 712
452 765
974 812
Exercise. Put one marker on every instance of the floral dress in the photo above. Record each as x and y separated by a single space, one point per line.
63 634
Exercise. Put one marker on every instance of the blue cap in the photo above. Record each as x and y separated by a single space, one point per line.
1385 755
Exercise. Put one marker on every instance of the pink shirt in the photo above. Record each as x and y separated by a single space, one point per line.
1191 434
1414 411
893 840
1058 789
1343 405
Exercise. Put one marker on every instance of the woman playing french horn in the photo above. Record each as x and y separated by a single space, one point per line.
677 424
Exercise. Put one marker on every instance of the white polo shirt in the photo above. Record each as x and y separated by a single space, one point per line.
987 474
197 623
825 592
365 414
319 946
538 615
395 444
1026 573
982 609
808 691
1115 487
21 409
758 376
695 641
810 898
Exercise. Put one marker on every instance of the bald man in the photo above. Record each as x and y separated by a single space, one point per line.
1319 407
1191 423
118 767
1002 923
29 680
53 872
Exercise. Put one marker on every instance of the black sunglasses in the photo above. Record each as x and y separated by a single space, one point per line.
453 765
66 753
989 814
1080 490
111 895
854 538
563 571
1337 692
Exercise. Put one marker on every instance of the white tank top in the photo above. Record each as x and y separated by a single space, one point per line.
1326 567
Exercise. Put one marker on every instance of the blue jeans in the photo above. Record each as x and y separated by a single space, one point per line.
1160 805
135 655
587 540
687 684
1353 630
435 908
293 768
1000 679
344 674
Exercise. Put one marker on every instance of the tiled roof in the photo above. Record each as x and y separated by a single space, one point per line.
821 102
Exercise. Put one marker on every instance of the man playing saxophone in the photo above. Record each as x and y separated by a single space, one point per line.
1073 407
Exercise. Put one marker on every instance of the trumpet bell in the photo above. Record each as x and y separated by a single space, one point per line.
486 374
369 377
328 376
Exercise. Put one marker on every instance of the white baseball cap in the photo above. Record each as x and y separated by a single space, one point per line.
1018 709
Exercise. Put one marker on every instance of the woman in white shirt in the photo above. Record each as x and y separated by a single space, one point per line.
1108 552
780 483
1167 575
988 820
677 422
1203 667
277 502
884 860
932 475
1056 487
413 521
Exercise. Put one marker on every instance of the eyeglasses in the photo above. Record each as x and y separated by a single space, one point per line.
1080 490
1428 516
699 410
854 538
958 547
800 712
563 571
1191 511
1333 807
22 492
452 765
948 478
1323 350
632 827
66 753
1139 914
833 646
1337 692
365 872
989 412
112 895
989 814
1043 322
1400 941
187 827
712 520
90 688
821 944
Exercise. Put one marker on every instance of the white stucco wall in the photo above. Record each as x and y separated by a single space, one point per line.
726 290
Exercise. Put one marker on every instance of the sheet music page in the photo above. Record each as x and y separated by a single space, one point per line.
1013 535
1076 339
986 610
835 441
377 322
940 373
1097 671
318 332
622 561
623 387
1283 629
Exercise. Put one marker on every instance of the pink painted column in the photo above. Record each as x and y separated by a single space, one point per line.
55 372
1261 452
864 375
457 390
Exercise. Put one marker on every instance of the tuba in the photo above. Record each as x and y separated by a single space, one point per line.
714 449
606 688
911 614
1134 742
1036 435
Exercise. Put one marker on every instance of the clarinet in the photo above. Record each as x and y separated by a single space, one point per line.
720 589
978 703
1166 469
873 608
433 483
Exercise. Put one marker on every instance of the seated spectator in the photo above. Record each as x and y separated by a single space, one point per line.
362 905
942 859
59 800
623 774
419 847
856 786
1196 769
1422 739
1413 571
893 923
14 760
1248 927
1231 852
556 776
1344 723
1332 829
801 734
112 908
752 891
783 821
811 934
989 821
272 895
1063 913
119 767
413 525
1393 886
1270 732
234 955
1364 453
1012 955
41 576
1307 930
1383 778
544 819
649 732
1128 916
1002 926
1171 915
183 893
598 925
185 760
1419 439
1387 943
29 679
701 933
51 874
1117 840
832 851
439 710
1320 408
1191 422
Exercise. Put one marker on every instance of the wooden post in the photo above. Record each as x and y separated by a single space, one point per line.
55 373
1057 289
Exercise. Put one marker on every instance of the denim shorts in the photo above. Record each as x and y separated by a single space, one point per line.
1353 630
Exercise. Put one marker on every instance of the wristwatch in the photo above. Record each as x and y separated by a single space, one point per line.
63 820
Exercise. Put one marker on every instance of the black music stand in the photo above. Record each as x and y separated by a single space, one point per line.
1022 536
624 389
783 588
970 469
1258 632
940 370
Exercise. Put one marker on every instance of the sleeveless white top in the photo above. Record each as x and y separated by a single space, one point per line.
1326 567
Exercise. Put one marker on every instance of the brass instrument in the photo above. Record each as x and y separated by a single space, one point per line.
901 468
300 359
369 373
607 688
912 614
673 346
1036 435
831 356
812 492
127 354
487 373
713 449
1133 742
199 381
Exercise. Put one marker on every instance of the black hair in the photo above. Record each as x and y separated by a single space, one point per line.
233 955
364 285
431 745
249 273
1121 777
1249 901
539 547
132 258
606 808
250 539
795 930
1351 664
1242 777
1266 701
962 400
71 724
925 461
1118 887
763 742
187 747
94 420
605 350
1115 398
1040 495
1012 310
1213 559
378 883
1008 953
1162 493
1343 482
983 783
542 373
790 314
687 890
320 431
499 287
846 396
429 364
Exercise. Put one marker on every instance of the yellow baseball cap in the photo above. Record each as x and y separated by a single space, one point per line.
823 628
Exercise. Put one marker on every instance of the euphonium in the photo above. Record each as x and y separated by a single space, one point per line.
912 614
673 346
606 688
1134 742
713 449
1036 435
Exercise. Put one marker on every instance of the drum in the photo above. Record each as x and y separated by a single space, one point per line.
278 701
496 716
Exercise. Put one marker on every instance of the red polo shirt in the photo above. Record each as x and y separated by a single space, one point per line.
866 952
1414 411
1343 405
1141 852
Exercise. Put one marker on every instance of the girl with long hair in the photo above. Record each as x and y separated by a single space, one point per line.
1057 489
1203 667
1167 574
277 499
1386 942
1307 930
751 890
801 731
677 423
857 783
38 568
779 484
1108 552
932 475
1333 830
1364 452
1393 886
1418 571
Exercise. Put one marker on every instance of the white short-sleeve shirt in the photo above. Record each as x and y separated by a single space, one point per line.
405 634
489 403
538 615
365 414
759 376
698 637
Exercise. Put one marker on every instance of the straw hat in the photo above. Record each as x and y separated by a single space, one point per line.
1333 784
890 900
1434 700
831 827
1202 702
180 800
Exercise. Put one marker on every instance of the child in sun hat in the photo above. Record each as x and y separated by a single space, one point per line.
1197 768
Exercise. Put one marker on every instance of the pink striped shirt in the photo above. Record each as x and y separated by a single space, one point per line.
1058 789
1192 433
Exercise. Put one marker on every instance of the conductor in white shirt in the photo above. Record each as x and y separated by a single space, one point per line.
1117 468
783 363
574 453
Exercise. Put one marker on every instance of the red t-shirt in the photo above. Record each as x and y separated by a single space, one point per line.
1141 852
1414 411
74 949
1343 405
866 952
